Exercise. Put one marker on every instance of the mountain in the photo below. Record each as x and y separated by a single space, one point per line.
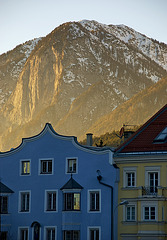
135 111
11 65
73 77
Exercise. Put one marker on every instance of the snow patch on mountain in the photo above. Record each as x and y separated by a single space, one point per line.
147 46
26 49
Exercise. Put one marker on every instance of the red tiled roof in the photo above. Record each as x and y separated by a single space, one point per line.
143 139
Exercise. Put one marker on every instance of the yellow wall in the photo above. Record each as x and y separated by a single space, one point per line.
135 195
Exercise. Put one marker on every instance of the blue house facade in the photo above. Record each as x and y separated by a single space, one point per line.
53 188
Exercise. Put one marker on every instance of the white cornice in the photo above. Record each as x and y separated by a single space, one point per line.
124 159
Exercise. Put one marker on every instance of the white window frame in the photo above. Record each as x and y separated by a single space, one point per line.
89 199
72 231
149 204
50 227
125 211
67 160
21 163
46 200
64 201
93 228
40 166
20 194
130 206
22 228
127 170
149 170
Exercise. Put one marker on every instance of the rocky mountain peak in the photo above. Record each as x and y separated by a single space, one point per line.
78 73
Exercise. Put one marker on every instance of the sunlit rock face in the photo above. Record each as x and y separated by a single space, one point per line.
73 77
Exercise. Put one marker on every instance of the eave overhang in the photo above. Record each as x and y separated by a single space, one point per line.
140 157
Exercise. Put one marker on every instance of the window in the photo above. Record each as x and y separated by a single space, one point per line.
71 201
23 234
46 167
152 180
94 200
162 213
72 165
24 201
71 235
4 235
50 233
25 167
129 177
149 213
130 213
161 138
51 200
3 204
94 234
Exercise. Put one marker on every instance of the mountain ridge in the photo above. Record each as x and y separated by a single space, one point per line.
75 75
136 110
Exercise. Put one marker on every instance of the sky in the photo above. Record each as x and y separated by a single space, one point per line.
23 20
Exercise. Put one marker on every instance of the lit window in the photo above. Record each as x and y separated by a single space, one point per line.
94 234
149 213
94 201
23 234
46 166
51 201
24 201
3 204
50 233
25 167
71 201
71 235
71 165
130 213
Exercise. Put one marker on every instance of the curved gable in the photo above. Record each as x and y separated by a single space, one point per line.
48 129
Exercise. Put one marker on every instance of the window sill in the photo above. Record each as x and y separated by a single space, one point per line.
46 173
69 211
96 211
148 222
24 211
50 211
129 222
130 188
71 172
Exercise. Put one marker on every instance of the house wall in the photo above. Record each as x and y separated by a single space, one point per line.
141 228
48 145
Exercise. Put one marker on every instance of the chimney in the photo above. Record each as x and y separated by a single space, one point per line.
128 134
89 141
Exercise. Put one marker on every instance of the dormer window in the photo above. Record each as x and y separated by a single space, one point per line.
72 195
162 137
